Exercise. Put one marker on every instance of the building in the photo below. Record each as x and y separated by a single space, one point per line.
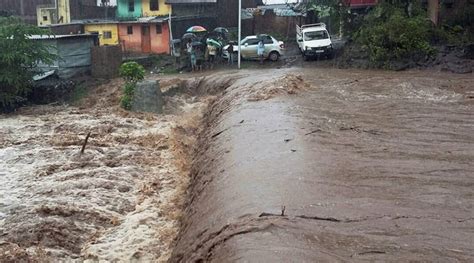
155 8
57 13
277 19
146 35
65 11
133 9
74 53
358 4
206 13
44 12
106 30
25 9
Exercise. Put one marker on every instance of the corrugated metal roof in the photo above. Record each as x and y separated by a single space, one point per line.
94 21
59 36
142 20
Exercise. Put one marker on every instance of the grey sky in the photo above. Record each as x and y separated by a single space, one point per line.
265 1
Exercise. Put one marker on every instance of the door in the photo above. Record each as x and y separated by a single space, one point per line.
249 48
269 45
146 39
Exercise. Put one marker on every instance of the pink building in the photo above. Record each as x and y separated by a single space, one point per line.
144 36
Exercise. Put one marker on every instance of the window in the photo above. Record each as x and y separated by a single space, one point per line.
131 6
251 42
130 30
158 29
45 18
154 6
267 40
107 34
316 35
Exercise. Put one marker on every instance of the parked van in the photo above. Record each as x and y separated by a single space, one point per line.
314 41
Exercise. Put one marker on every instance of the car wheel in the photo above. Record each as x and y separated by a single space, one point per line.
305 58
274 56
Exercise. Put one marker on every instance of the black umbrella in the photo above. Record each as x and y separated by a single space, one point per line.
189 36
221 30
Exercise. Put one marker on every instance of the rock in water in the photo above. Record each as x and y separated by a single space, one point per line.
148 97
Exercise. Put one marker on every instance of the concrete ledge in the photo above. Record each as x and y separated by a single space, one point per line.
148 97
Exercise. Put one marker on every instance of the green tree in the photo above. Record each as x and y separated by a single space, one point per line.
19 57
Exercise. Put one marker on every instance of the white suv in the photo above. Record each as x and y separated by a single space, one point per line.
273 48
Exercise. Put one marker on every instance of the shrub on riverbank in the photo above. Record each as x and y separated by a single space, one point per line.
391 33
131 72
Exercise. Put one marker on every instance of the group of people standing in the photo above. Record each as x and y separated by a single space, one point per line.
202 56
205 56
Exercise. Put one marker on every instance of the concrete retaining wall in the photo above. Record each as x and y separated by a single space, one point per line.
148 97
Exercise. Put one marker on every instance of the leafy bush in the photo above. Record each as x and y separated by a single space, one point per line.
389 33
126 102
19 57
132 72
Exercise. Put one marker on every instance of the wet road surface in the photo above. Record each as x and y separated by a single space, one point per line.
357 166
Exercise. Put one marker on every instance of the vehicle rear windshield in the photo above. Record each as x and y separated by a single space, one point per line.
316 35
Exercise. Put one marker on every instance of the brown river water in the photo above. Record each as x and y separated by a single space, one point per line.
287 165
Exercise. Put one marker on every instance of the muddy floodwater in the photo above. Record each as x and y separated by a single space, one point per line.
273 165
331 165
120 200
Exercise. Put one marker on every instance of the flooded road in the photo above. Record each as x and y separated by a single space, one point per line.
282 165
357 165
119 201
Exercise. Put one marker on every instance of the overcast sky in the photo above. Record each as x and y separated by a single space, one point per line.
265 1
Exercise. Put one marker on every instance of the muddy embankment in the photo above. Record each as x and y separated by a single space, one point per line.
334 165
119 201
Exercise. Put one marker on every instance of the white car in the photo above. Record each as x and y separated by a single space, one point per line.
314 41
273 48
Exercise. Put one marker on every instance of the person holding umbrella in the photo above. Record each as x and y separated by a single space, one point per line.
212 50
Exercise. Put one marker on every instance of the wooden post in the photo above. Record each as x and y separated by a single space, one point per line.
433 11
85 143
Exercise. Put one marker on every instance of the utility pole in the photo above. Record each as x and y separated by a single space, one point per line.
22 7
171 34
240 31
